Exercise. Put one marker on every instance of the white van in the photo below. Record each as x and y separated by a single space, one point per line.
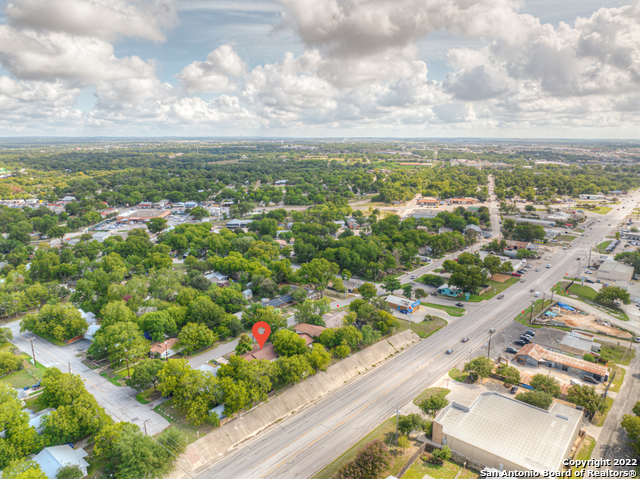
537 294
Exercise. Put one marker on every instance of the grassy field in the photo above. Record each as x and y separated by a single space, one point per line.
617 354
35 403
588 294
598 420
496 288
458 375
27 376
385 433
538 307
602 210
618 380
451 310
180 267
423 329
179 421
602 246
566 237
447 470
430 392
584 453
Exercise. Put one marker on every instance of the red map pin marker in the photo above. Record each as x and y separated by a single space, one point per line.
261 337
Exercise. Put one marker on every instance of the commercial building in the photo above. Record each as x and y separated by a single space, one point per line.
475 228
447 290
592 197
463 201
403 305
507 434
428 202
536 355
574 343
142 215
612 271
632 288
425 213
531 221
235 223
100 236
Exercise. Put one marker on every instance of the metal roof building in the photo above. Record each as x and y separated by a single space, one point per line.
507 434
536 355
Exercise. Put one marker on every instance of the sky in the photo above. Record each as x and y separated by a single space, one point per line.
321 68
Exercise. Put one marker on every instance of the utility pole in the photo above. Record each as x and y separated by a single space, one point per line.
33 351
127 354
69 367
489 348
552 293
531 318
397 416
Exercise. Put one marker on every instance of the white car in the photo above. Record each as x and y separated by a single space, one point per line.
548 266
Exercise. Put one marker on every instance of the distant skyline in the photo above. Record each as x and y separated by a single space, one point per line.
321 68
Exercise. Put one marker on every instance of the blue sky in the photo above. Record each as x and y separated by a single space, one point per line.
486 68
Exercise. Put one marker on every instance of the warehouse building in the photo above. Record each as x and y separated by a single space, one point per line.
507 434
536 355
142 215
612 272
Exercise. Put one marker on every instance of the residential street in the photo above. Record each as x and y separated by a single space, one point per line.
119 402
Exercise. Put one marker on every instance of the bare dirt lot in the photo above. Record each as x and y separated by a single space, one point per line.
587 322
500 278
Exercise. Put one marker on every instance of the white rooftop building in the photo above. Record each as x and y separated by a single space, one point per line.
52 459
507 434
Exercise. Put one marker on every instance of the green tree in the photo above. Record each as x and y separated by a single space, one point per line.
287 343
432 405
116 312
544 383
9 362
311 312
369 335
629 257
631 424
318 357
145 374
61 321
438 456
5 335
391 284
195 336
636 408
407 290
509 374
293 369
70 471
367 291
156 225
273 317
412 422
420 293
203 310
403 442
370 462
589 357
611 294
120 342
432 279
107 436
23 469
539 399
587 397
245 344
318 272
481 367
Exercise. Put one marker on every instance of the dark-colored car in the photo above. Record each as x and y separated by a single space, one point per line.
528 332
511 350
464 340
513 390
589 379
459 305
525 339
519 342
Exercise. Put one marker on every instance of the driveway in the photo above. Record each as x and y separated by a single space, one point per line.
119 402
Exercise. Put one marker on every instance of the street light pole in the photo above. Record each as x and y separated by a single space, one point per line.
33 351
531 318
397 416
127 356
489 348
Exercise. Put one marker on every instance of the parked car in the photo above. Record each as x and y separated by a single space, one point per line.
588 272
637 340
500 296
537 269
511 350
413 276
589 379
513 390
464 340
548 266
517 275
530 333
449 351
526 339
519 342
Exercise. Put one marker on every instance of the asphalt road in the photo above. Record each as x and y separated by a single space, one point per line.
304 443
119 402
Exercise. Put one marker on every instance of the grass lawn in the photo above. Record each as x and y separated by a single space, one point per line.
447 470
452 310
27 376
584 453
35 403
599 418
602 246
179 421
438 270
588 294
458 375
180 267
538 307
617 381
566 237
430 392
617 354
6 347
602 210
423 329
385 433
496 288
